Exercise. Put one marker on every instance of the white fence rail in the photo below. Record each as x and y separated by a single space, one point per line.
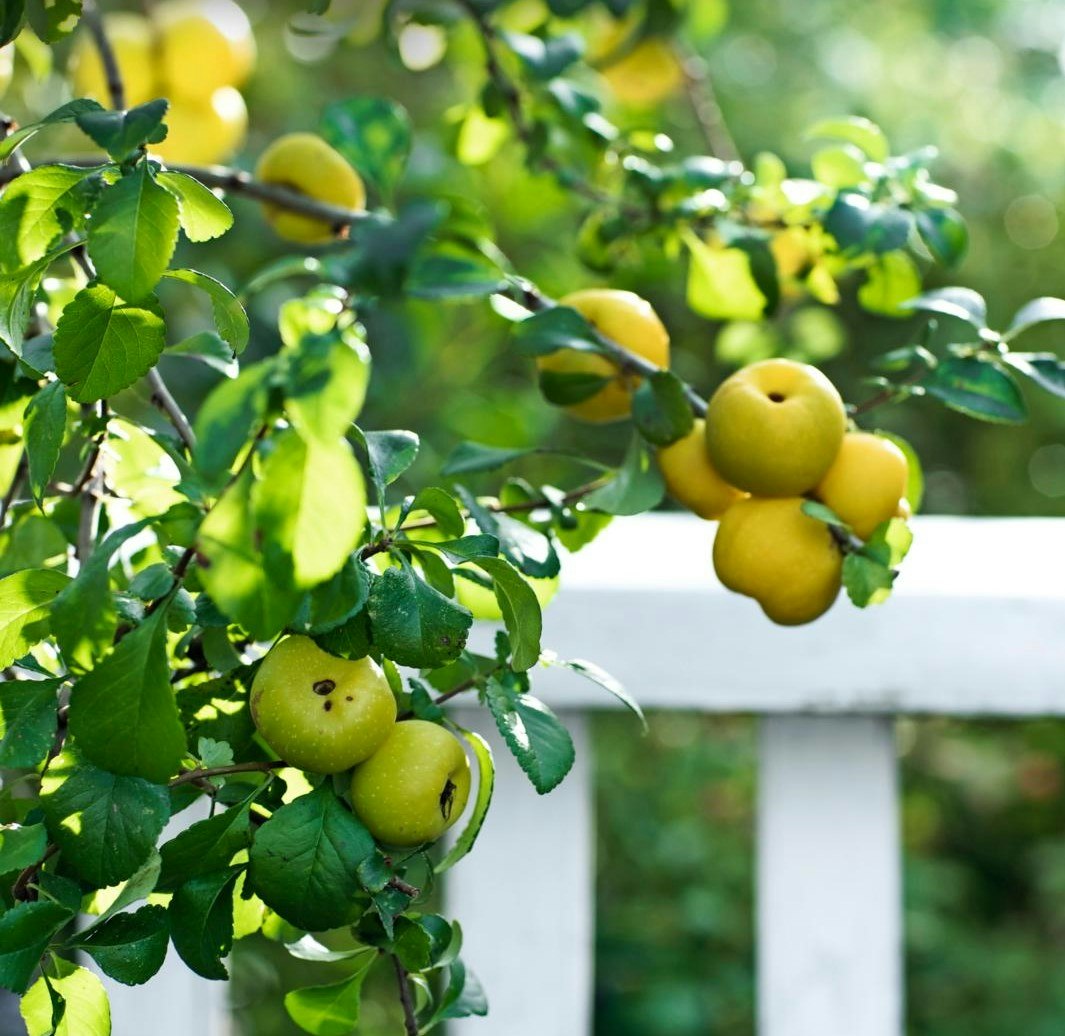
976 628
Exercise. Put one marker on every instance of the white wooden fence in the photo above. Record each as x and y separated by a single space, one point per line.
977 627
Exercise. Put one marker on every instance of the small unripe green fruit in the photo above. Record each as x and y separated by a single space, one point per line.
318 712
414 787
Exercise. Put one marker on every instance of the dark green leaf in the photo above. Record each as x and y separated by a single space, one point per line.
520 608
120 133
44 427
637 486
859 225
439 505
102 344
206 846
133 234
962 303
545 58
945 234
1038 311
25 931
564 388
469 457
413 624
1045 369
660 409
106 825
21 846
390 454
201 922
552 329
305 858
529 550
977 388
532 732
27 721
123 713
12 16
51 21
334 602
331 1010
590 671
130 948
210 349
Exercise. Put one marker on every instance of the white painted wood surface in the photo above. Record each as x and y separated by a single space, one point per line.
526 901
829 889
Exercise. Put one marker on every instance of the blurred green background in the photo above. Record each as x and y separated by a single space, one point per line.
984 813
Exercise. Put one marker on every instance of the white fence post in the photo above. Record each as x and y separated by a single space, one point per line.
526 900
829 899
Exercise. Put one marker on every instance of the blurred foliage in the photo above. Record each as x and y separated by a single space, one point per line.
983 803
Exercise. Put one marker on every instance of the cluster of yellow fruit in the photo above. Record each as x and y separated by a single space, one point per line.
775 435
196 53
411 779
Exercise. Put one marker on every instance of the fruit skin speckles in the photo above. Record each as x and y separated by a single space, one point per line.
318 712
414 787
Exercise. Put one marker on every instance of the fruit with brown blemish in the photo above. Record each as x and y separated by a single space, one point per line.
318 712
414 787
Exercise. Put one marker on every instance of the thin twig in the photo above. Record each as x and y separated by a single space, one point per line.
90 14
410 1018
192 776
16 485
702 97
21 889
164 400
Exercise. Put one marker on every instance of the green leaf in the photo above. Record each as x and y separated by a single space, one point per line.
210 349
27 721
637 486
823 513
660 409
130 948
206 846
52 20
310 507
545 58
124 714
390 454
454 272
462 997
334 602
12 17
229 316
1045 369
325 384
80 997
962 303
721 282
540 743
84 616
470 457
564 388
201 922
228 418
892 280
42 205
520 608
103 345
106 825
945 234
138 886
120 133
866 580
305 859
853 129
526 548
68 112
598 675
441 506
373 134
18 291
977 388
44 426
331 1010
133 234
413 624
1038 311
25 931
25 602
486 779
235 574
559 327
202 214
859 225
21 846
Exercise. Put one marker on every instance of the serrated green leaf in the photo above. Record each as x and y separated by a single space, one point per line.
866 580
304 861
27 721
977 388
520 608
310 508
25 931
206 846
229 316
486 778
538 741
133 234
123 712
413 624
130 948
17 293
106 825
390 454
559 327
201 922
120 133
103 345
202 214
44 427
331 1010
21 846
637 486
26 598
68 112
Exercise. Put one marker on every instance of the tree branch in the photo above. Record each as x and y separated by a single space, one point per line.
193 776
410 1018
702 97
164 400
90 14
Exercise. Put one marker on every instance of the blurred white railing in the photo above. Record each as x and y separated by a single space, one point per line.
976 627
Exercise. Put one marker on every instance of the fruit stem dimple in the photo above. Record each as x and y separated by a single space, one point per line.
324 687
776 397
